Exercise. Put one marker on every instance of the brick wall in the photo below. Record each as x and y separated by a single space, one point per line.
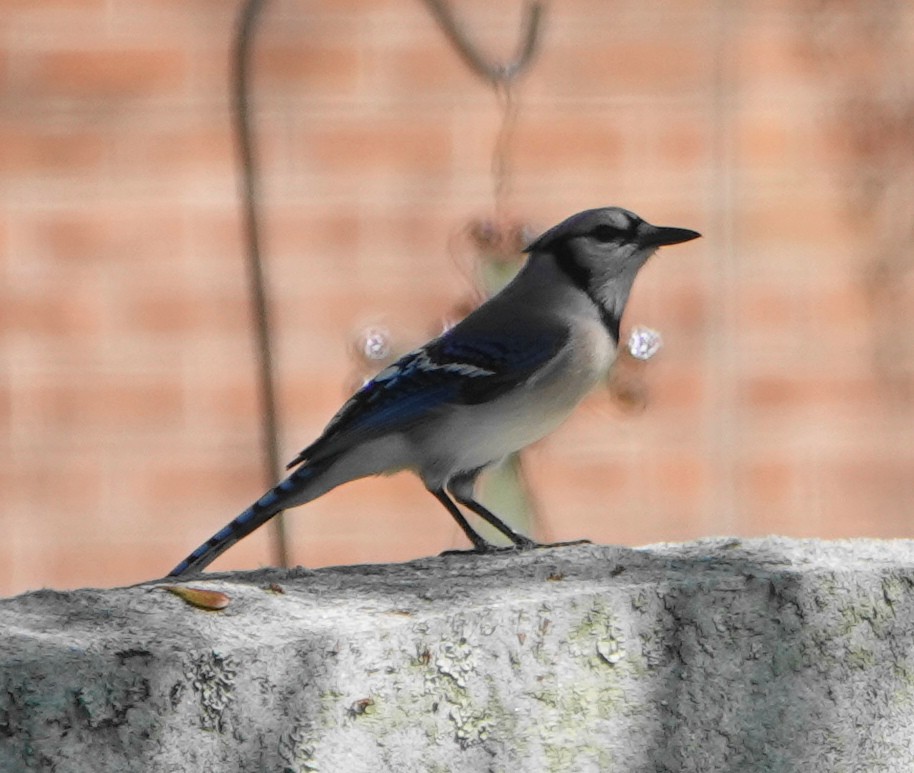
782 401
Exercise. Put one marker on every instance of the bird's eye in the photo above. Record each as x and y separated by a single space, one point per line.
605 233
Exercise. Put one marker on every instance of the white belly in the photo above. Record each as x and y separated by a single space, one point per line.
473 436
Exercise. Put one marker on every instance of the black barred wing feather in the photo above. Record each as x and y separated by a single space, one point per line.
454 369
508 360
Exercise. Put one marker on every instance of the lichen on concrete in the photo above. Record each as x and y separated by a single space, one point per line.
717 655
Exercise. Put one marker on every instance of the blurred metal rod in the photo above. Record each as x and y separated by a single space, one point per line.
240 83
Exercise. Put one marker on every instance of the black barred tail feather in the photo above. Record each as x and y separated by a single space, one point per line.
252 518
288 493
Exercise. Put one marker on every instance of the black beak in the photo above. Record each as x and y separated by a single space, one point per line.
658 236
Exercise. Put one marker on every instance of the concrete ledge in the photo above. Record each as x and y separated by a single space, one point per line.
724 655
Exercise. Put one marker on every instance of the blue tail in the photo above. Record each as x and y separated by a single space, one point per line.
270 504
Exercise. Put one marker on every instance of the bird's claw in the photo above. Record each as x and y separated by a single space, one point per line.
521 544
564 544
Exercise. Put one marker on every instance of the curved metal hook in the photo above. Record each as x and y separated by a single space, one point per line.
497 73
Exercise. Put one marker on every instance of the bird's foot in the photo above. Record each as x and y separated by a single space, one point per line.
563 544
522 543
485 548
476 550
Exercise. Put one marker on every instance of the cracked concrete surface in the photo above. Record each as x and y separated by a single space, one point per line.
718 655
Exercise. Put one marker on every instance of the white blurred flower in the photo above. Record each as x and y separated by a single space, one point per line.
644 343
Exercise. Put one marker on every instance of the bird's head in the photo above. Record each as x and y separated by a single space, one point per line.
601 251
608 241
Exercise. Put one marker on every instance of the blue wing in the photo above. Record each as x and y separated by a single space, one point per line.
460 367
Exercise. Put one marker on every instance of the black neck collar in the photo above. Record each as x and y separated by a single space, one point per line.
582 278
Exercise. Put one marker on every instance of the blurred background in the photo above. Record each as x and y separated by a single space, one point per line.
130 423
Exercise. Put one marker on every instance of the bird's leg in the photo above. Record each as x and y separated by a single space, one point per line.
479 544
461 488
520 541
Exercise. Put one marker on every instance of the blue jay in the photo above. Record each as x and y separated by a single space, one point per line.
502 378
